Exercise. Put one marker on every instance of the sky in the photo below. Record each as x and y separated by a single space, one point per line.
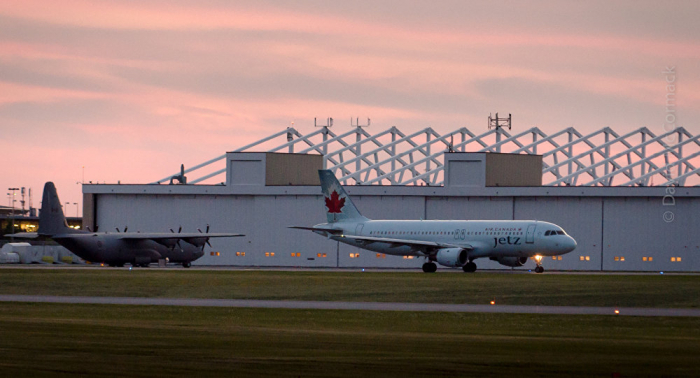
127 91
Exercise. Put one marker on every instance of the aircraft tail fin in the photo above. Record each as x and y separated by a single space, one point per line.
338 205
51 219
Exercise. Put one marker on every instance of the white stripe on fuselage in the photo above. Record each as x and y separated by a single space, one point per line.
486 238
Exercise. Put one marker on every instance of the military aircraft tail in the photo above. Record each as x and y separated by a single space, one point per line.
51 219
338 205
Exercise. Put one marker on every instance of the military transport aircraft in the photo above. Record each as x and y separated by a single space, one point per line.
452 243
119 248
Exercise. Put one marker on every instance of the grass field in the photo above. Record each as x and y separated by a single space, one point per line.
98 340
680 291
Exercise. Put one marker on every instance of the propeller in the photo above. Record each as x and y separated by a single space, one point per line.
177 243
207 240
125 228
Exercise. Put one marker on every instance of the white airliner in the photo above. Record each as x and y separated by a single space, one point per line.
452 243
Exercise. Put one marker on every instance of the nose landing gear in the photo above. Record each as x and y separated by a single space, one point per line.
538 261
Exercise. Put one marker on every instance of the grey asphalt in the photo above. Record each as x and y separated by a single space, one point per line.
365 306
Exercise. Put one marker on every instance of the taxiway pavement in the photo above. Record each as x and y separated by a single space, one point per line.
364 306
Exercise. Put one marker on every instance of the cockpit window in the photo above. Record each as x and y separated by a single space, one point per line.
553 232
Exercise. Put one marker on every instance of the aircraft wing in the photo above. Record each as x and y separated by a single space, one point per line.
329 230
165 235
408 242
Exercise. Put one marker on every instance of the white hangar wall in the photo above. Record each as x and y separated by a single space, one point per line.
617 228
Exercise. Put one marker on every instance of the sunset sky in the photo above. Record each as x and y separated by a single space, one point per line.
132 89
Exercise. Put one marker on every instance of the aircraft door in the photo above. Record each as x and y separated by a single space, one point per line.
530 235
358 230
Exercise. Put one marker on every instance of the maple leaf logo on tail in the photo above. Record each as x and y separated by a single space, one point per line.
335 203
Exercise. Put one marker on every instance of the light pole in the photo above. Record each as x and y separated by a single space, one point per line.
77 208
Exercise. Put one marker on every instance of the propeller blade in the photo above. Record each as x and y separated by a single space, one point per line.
117 228
171 230
179 230
209 244
126 228
200 230
207 228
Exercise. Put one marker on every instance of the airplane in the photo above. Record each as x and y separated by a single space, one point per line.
117 249
451 243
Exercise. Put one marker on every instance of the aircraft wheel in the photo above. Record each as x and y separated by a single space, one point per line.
186 264
539 269
429 267
469 267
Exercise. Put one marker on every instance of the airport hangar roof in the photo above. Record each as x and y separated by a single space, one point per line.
603 163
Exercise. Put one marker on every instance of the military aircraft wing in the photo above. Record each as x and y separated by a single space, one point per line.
165 235
407 242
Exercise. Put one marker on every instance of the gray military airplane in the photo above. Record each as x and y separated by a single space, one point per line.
117 249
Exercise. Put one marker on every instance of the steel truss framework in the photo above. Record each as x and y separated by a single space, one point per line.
391 157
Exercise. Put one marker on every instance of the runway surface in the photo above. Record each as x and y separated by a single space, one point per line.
365 306
415 270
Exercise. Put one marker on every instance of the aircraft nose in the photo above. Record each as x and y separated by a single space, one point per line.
570 244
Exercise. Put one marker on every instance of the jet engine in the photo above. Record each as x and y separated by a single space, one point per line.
452 257
511 261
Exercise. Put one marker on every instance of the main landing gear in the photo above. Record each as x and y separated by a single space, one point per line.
539 269
186 264
469 267
429 267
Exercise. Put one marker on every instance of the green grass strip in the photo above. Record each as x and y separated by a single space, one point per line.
677 291
142 341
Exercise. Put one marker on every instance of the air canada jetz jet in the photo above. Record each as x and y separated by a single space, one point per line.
451 243
119 248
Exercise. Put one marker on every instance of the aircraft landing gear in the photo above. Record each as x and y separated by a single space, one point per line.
429 267
469 267
539 269
186 264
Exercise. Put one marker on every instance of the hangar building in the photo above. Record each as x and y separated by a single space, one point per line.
599 187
